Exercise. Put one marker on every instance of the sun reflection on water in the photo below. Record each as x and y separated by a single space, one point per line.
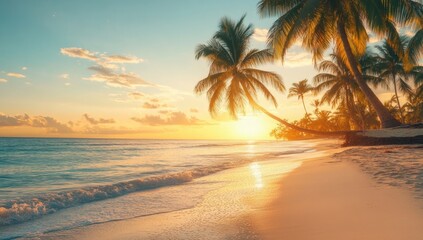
256 172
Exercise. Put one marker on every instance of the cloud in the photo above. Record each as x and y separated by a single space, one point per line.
16 75
135 95
106 70
67 84
64 76
79 53
260 34
193 110
148 105
123 59
298 58
173 118
94 121
24 68
49 123
111 78
164 111
2 80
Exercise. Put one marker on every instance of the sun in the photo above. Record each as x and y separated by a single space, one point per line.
249 127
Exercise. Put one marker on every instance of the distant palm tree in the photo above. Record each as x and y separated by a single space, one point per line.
320 23
300 89
389 65
232 78
414 108
339 86
316 104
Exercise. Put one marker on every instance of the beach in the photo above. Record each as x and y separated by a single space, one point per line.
336 198
333 193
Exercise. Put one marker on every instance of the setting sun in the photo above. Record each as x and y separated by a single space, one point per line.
250 127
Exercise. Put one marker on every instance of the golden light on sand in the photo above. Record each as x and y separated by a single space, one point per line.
256 172
250 127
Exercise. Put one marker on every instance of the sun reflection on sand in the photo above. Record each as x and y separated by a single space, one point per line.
256 171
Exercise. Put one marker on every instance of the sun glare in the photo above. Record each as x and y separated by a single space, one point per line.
249 127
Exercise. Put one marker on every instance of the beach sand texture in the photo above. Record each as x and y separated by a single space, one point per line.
332 198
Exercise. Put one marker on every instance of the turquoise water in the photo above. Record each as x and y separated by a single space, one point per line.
55 184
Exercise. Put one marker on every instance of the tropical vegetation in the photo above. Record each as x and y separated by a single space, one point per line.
346 82
343 24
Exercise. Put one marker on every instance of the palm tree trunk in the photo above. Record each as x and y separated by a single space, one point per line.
302 99
334 133
351 108
262 109
396 96
385 117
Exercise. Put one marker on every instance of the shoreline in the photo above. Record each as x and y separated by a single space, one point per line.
319 198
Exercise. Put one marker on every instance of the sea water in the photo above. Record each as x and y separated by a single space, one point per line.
49 185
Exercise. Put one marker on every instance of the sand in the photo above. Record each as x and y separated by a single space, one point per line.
331 198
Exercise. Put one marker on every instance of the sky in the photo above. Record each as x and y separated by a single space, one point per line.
125 69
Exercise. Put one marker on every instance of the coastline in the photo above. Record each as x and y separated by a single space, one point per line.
321 197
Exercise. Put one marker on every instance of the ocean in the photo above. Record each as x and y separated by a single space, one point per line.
49 185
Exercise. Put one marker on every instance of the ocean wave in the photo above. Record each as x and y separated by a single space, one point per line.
22 210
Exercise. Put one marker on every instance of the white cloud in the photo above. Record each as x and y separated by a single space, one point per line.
67 84
106 69
24 68
79 53
298 59
123 59
16 75
260 34
64 76
2 80
112 78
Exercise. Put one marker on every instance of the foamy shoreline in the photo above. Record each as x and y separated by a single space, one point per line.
325 197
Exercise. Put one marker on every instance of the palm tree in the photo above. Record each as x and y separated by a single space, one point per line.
319 23
414 108
389 65
339 85
232 78
316 104
414 49
300 89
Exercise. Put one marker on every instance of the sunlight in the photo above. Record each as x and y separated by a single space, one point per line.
256 171
249 127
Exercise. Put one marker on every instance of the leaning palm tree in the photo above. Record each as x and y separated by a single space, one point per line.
299 90
232 78
321 23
